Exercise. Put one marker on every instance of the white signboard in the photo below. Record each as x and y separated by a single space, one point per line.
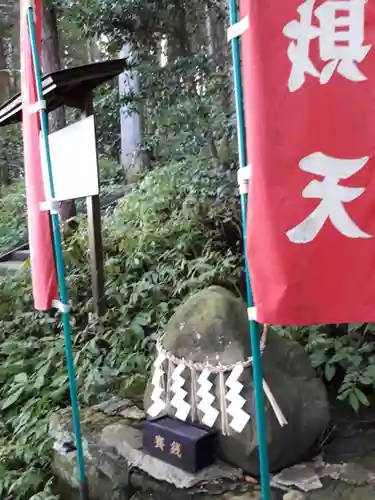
74 161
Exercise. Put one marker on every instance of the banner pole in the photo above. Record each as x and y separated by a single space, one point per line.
60 266
254 331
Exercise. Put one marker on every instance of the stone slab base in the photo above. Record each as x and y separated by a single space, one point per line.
118 469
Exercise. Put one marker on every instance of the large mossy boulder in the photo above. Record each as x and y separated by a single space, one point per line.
212 326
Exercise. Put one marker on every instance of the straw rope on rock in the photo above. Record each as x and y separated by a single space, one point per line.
227 379
209 337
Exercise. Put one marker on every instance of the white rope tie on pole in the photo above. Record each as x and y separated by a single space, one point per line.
29 4
243 179
37 107
64 308
51 206
238 29
252 313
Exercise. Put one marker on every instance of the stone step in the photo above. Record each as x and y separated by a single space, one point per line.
10 267
21 255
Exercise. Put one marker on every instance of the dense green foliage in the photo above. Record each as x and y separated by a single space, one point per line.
175 233
13 222
165 240
13 219
345 359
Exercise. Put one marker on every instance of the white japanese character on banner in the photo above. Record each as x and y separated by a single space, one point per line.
341 41
332 196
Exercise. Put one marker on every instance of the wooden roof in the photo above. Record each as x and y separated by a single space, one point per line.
65 87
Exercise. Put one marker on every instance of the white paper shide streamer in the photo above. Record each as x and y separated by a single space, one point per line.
210 413
237 402
157 381
178 400
205 378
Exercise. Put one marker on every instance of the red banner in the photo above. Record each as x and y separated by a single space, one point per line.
309 94
41 248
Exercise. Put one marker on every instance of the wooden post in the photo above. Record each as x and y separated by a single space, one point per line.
95 230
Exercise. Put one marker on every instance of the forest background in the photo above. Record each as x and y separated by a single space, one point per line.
176 231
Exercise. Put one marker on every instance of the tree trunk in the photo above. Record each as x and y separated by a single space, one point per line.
92 51
130 121
179 45
4 74
4 94
14 73
51 62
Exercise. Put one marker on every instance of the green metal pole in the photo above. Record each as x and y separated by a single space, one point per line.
254 332
60 268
